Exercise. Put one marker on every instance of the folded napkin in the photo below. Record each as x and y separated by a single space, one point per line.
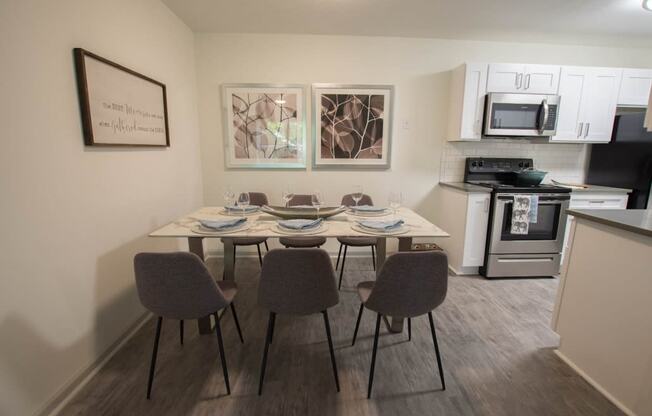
299 224
367 208
382 225
239 208
301 206
219 225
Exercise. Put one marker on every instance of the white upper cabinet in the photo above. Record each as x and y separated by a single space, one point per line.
521 78
588 104
468 89
635 87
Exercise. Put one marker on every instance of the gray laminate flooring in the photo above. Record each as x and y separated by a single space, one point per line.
496 344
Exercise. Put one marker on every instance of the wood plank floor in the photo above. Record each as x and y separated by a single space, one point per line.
495 339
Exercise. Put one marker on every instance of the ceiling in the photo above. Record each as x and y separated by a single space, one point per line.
596 22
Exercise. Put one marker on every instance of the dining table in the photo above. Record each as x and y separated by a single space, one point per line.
261 224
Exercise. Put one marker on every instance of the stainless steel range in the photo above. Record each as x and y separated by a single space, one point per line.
535 252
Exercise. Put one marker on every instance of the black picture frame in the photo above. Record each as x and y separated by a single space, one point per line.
90 138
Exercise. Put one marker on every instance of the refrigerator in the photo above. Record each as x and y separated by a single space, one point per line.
626 161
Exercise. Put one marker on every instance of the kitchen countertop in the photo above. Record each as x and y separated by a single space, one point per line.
466 187
634 220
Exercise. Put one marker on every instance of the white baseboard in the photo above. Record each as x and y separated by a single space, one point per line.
595 384
66 393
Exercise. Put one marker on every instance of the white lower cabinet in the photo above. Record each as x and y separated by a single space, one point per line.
465 216
592 200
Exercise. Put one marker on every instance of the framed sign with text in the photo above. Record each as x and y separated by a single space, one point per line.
119 107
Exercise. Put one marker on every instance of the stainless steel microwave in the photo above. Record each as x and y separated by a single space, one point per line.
532 115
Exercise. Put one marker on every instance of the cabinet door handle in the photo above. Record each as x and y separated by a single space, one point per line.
586 133
527 81
516 80
520 81
579 132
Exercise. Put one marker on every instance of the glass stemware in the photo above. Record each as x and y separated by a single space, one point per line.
357 194
395 200
287 196
317 201
229 197
243 201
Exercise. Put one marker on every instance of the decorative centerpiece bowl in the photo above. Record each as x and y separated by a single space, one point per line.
302 212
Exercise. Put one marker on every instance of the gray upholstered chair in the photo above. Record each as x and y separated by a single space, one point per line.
410 284
346 242
302 241
260 199
297 282
178 286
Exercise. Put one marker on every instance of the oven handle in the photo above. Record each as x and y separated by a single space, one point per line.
546 115
542 199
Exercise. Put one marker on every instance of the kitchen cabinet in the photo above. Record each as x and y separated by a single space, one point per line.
592 200
522 78
468 89
465 215
589 98
635 87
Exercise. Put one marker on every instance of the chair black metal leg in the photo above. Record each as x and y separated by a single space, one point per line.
220 344
409 329
266 246
346 248
237 324
434 340
260 255
330 347
339 253
152 366
181 331
357 324
268 340
271 335
373 256
373 356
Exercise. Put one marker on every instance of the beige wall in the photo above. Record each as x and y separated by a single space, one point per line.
71 216
419 68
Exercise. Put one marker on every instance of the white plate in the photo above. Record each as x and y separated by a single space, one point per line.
199 229
368 214
322 227
397 231
236 213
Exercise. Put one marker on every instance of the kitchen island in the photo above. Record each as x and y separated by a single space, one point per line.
603 312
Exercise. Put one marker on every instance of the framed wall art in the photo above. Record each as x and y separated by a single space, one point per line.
119 106
264 126
352 126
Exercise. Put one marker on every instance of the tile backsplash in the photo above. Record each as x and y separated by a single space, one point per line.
563 162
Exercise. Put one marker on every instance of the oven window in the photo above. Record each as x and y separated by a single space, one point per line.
544 229
515 116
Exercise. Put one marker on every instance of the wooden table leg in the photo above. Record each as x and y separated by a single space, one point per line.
229 259
196 246
396 324
381 253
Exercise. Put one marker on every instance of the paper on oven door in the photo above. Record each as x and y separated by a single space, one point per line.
520 214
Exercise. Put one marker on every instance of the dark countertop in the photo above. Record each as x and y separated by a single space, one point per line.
634 220
466 187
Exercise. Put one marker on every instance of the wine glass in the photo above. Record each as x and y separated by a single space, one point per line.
229 198
317 201
395 200
287 196
357 194
243 201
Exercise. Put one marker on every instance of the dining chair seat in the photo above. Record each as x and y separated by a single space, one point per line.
358 241
247 241
302 242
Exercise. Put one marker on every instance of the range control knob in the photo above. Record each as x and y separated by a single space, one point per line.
474 164
521 164
481 163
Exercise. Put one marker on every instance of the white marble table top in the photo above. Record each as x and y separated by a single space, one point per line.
263 225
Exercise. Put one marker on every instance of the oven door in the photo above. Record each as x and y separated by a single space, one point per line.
520 115
546 235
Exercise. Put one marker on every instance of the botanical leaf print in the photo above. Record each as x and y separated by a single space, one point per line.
265 126
352 126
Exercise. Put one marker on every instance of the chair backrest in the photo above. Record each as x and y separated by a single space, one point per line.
297 281
410 284
347 200
258 198
300 199
176 285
